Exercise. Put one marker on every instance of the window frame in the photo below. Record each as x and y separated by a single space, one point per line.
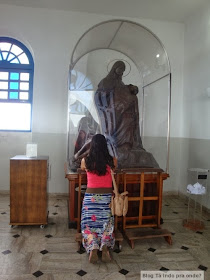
6 66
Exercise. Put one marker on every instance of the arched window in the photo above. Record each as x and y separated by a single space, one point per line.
16 85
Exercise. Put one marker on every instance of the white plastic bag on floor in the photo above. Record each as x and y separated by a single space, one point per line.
197 188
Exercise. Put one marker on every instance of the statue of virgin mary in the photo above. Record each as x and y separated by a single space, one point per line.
117 106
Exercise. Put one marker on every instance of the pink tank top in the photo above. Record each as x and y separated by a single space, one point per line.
95 181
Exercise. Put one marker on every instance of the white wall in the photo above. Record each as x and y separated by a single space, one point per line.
51 36
196 104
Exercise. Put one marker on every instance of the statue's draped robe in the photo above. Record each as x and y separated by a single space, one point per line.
119 116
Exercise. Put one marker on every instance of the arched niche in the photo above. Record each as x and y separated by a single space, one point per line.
147 66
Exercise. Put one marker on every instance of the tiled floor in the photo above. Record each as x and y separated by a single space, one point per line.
29 252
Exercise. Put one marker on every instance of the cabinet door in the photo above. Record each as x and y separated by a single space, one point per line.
28 191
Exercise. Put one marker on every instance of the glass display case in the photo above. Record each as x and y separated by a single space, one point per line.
146 66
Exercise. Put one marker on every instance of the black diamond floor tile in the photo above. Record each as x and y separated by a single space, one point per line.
202 267
6 252
43 252
38 273
56 206
3 213
16 235
199 232
184 248
173 233
117 251
80 251
164 268
175 212
152 250
55 213
48 236
81 272
123 271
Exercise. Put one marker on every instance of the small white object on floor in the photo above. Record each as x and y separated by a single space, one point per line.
197 188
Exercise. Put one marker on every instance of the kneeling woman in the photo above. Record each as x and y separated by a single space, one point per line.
97 222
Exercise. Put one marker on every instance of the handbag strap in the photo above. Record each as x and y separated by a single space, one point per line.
114 183
115 186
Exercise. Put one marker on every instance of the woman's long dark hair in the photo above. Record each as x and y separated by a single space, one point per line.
98 157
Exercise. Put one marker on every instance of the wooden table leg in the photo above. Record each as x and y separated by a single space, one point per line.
72 221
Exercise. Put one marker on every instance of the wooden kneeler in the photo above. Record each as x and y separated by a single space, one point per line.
137 234
151 229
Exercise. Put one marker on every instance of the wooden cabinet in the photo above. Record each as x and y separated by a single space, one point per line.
28 190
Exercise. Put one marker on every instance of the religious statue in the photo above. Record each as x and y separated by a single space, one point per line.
117 106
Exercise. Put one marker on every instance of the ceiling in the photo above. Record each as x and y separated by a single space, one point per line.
169 10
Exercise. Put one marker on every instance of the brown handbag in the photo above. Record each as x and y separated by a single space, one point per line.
119 202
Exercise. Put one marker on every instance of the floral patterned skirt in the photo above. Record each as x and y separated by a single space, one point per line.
97 222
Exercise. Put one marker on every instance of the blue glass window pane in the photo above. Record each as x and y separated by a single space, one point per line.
13 85
13 95
14 76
